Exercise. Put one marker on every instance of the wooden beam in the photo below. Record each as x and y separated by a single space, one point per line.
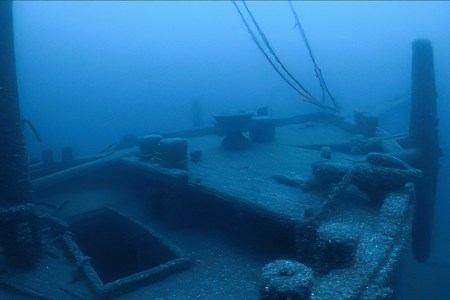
423 134
14 179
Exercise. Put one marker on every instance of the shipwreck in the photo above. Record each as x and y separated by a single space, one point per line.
303 207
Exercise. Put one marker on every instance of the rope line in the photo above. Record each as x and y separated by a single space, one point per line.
266 42
258 44
318 71
279 67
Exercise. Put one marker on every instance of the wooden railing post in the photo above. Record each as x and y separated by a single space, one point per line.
18 222
423 134
14 179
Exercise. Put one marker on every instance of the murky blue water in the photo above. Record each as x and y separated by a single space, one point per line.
91 72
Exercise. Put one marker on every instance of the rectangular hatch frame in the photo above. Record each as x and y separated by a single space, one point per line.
117 254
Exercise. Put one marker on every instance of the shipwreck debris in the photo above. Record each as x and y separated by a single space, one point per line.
173 153
115 261
289 180
286 279
376 181
149 144
263 129
234 124
325 152
196 155
423 135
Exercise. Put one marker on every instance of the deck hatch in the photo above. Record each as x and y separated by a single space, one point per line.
117 253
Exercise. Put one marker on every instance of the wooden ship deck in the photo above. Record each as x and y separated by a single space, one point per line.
229 214
312 208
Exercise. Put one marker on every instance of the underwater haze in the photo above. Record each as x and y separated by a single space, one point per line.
90 72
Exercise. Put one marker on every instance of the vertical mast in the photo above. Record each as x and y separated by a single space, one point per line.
14 179
423 133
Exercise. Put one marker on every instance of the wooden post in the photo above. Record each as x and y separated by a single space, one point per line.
14 179
423 134
18 222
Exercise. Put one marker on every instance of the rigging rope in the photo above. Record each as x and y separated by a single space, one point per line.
252 34
266 42
318 71
260 47
284 73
